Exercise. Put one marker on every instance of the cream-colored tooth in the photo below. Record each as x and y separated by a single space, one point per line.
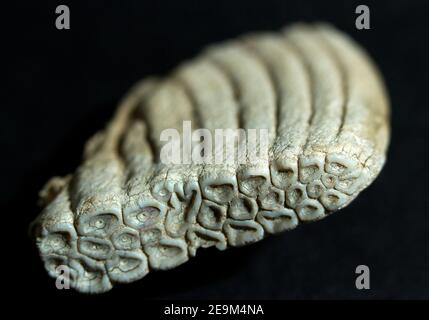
169 184
134 145
254 89
55 264
326 84
147 216
166 108
138 156
140 207
327 104
183 208
86 275
213 98
163 251
138 151
292 85
365 126
215 108
59 247
98 183
126 209
142 212
98 195
54 228
169 108
157 182
257 110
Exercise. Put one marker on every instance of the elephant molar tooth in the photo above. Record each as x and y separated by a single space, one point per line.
305 113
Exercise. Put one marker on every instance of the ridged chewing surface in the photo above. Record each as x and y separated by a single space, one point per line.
124 213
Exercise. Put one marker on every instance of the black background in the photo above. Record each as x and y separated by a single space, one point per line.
63 85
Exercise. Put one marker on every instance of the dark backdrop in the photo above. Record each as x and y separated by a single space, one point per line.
62 86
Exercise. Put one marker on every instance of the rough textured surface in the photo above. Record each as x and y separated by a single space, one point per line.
123 212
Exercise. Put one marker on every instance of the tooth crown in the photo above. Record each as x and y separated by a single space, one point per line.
124 212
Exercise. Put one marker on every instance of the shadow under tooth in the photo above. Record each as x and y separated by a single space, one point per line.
327 87
367 106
